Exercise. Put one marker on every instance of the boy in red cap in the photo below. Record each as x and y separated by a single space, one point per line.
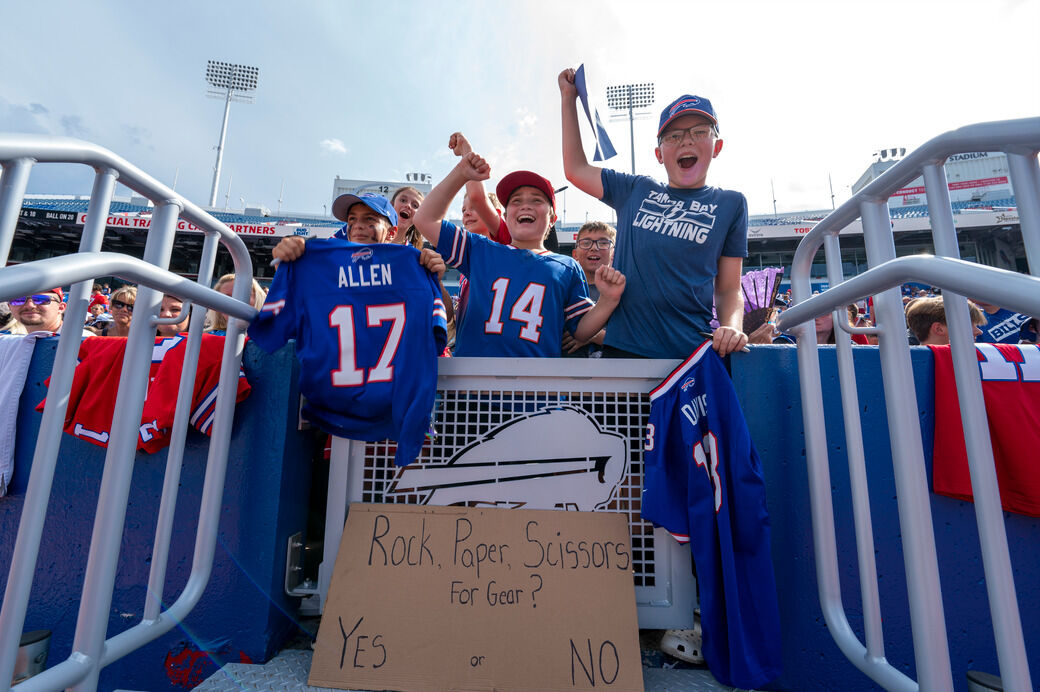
521 296
681 245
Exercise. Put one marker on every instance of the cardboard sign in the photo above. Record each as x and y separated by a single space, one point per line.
455 598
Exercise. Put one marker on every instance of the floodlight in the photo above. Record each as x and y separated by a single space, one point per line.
628 97
230 82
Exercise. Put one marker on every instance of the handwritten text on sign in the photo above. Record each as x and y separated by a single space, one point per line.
426 598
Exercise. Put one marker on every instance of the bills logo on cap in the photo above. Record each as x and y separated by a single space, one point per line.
683 104
361 255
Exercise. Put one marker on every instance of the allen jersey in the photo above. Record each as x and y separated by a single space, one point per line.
92 399
369 324
519 301
1011 389
703 483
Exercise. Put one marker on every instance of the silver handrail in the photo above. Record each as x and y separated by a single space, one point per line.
91 650
1020 139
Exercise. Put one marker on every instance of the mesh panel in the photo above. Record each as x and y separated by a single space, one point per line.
462 418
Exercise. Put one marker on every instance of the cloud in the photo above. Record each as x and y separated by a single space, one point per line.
334 146
73 126
525 121
138 136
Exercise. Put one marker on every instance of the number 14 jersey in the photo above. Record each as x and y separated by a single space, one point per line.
369 324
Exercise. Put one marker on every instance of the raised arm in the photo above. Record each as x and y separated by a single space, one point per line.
729 304
611 284
435 206
576 166
478 199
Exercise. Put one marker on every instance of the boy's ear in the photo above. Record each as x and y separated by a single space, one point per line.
657 153
938 329
718 148
390 234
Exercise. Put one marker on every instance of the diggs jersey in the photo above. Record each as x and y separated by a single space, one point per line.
1002 327
669 242
369 324
519 301
92 399
1011 389
703 483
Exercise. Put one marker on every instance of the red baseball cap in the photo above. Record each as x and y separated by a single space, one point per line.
508 185
58 291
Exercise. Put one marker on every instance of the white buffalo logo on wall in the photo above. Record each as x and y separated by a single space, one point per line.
557 457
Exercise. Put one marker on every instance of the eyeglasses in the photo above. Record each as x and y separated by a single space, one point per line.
37 299
698 133
129 307
601 243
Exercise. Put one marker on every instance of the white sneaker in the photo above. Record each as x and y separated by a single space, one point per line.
684 644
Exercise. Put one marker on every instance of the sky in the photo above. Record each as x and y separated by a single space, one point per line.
805 91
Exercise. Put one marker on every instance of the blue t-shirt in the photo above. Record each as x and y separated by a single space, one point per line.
669 241
519 301
703 483
369 324
1002 327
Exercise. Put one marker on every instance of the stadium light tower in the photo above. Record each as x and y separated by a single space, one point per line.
230 82
628 97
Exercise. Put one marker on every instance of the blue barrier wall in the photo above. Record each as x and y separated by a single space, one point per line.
767 384
244 614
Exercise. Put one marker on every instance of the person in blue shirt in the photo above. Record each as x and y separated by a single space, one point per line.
680 244
521 296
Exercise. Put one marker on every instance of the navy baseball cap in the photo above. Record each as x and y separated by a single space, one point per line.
687 105
377 203
509 184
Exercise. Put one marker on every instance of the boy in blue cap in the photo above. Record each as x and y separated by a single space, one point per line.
679 245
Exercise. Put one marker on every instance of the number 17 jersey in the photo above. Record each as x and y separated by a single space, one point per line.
369 324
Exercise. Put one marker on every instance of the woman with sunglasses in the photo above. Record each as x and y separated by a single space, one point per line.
121 306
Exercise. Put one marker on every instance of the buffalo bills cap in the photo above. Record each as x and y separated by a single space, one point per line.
377 203
508 185
687 105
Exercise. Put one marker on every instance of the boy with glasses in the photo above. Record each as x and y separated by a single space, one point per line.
593 248
679 244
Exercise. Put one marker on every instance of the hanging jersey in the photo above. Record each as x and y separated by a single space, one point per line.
703 483
519 302
369 324
92 398
1011 389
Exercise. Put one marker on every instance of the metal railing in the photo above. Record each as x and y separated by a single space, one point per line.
91 648
1020 139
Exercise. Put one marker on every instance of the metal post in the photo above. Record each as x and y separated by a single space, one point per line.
12 191
631 130
927 621
220 151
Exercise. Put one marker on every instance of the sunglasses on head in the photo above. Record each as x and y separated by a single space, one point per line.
37 299
129 307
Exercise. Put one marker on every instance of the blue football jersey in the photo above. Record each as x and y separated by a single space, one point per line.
369 324
519 301
703 483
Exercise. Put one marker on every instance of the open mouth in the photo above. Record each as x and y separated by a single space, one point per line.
404 214
687 161
525 218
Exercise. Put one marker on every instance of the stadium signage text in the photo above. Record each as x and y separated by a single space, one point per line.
145 222
956 185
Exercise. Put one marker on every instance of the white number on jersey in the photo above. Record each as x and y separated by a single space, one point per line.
706 454
527 310
342 318
994 366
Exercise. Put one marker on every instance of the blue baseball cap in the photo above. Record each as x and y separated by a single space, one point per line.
687 105
377 203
